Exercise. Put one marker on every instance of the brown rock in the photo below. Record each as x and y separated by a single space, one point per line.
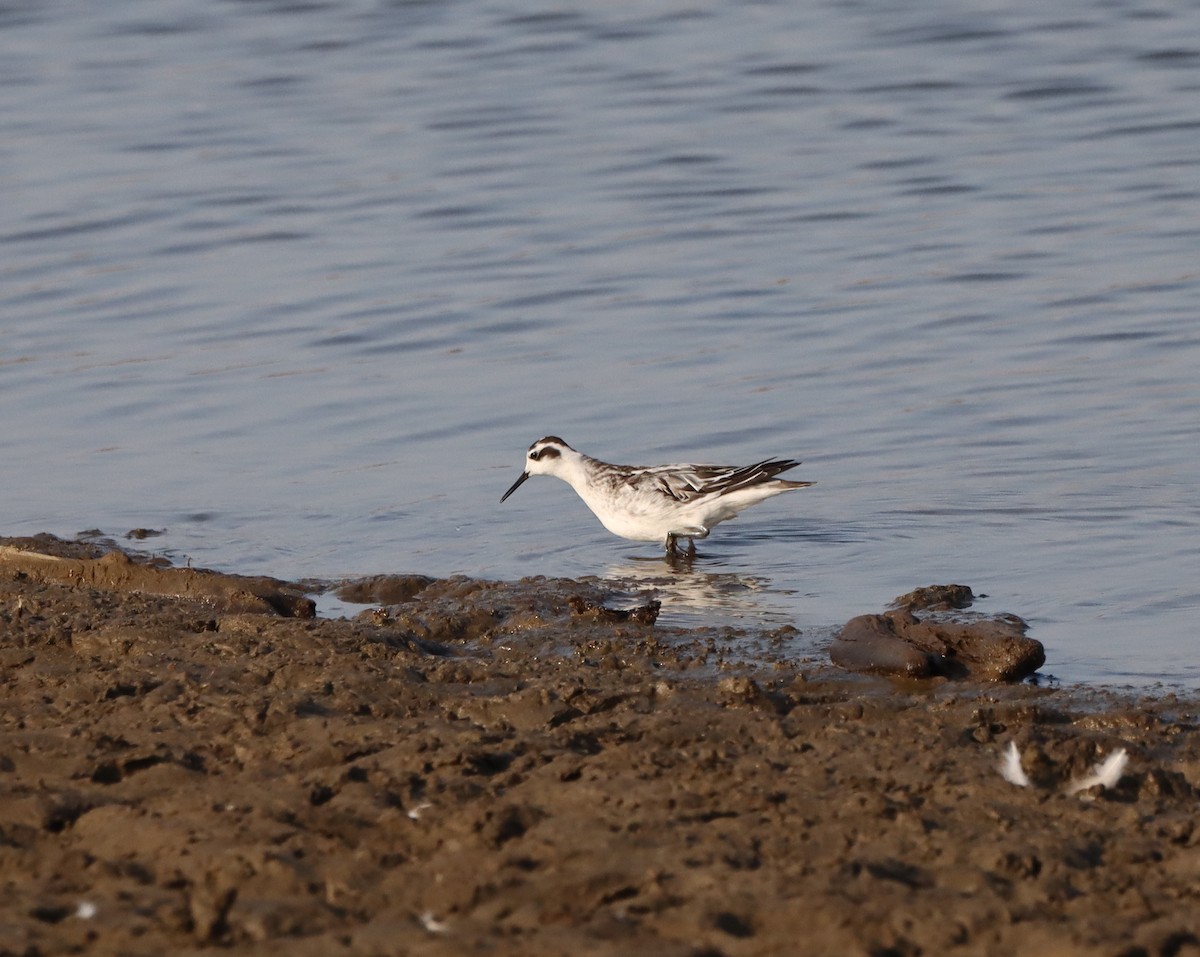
946 642
869 643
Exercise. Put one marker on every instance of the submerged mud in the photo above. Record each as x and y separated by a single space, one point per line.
541 768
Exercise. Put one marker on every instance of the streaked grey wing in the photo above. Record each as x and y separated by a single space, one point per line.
730 480
683 484
686 483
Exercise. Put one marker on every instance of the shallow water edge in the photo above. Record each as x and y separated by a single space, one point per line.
923 636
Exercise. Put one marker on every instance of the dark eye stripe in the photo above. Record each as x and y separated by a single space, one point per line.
547 453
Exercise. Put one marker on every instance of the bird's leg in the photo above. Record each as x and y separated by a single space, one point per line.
674 552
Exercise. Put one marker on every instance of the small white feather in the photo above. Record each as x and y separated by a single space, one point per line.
414 813
1106 774
1010 767
86 910
432 924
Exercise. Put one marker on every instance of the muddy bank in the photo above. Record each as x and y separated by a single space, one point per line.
474 768
45 558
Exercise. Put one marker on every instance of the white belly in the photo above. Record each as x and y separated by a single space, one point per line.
645 519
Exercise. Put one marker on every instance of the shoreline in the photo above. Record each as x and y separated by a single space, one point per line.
531 771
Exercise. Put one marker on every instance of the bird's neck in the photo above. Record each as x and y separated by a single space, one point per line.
576 470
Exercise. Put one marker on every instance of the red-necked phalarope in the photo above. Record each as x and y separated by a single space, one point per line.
658 503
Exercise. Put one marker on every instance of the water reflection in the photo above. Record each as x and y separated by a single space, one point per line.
700 592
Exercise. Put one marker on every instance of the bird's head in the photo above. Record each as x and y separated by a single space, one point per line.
545 457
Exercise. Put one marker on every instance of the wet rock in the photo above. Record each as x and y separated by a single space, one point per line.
140 534
989 648
870 643
946 642
383 589
936 598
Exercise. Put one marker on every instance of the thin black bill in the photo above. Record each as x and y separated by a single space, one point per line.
515 485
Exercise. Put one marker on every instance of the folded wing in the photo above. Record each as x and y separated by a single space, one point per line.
687 483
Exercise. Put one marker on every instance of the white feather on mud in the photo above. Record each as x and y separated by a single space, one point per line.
1010 767
414 813
1105 774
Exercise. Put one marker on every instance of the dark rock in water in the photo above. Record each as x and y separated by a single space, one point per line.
987 647
383 589
944 642
870 643
140 534
936 598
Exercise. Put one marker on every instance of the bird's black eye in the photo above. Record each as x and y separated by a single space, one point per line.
535 455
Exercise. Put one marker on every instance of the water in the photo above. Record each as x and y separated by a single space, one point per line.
299 282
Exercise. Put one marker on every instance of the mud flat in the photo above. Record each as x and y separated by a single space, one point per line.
189 763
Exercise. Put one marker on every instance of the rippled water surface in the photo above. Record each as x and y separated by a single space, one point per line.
299 282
